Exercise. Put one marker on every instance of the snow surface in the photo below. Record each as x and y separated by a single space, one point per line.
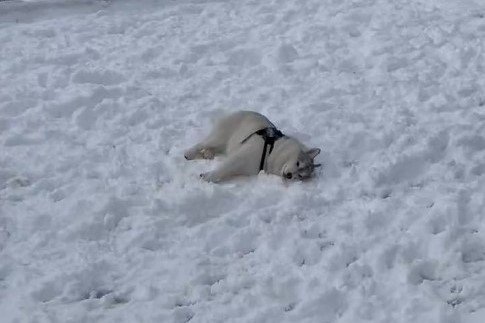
102 219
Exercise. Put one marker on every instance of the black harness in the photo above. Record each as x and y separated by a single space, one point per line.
270 135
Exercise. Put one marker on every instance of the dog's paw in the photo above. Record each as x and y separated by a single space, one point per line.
207 153
205 177
209 177
189 155
204 153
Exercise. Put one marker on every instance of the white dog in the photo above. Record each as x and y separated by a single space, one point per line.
252 143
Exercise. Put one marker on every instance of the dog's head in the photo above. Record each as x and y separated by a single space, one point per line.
301 167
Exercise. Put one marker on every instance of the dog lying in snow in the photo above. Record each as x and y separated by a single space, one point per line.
252 143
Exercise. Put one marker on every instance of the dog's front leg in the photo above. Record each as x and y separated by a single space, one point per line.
224 172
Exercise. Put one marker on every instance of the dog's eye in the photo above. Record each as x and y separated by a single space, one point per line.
289 175
297 164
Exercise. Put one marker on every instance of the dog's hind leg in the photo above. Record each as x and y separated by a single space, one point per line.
214 144
199 151
217 140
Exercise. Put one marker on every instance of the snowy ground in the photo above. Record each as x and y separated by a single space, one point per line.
103 220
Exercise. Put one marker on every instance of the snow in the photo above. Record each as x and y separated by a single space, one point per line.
103 220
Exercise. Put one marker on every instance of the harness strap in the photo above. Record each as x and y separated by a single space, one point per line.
270 135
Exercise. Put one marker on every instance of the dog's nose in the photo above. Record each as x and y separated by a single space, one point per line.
288 175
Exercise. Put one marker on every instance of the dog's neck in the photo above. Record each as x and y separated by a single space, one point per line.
280 155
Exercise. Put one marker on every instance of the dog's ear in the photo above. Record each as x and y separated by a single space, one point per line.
313 152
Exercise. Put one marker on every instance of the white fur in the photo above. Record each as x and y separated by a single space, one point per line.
289 156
